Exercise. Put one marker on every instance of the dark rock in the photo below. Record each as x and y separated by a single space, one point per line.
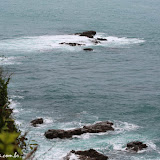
87 155
88 49
53 133
101 39
95 41
72 44
136 146
89 34
99 127
95 128
37 121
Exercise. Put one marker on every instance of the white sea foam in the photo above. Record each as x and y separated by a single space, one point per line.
8 61
118 125
51 42
57 149
119 142
48 120
83 136
17 97
73 157
19 122
15 106
124 126
70 125
16 111
114 143
152 146
52 153
113 41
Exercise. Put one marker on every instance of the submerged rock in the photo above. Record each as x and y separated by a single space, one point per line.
102 39
36 121
95 128
72 44
95 41
89 34
136 146
86 155
88 49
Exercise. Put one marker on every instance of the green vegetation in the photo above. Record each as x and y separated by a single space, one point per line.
11 143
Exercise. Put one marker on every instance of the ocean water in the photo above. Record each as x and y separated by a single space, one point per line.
68 87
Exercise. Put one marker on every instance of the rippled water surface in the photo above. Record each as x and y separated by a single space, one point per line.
68 87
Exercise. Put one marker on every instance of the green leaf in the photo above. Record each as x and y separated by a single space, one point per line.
8 138
1 147
10 149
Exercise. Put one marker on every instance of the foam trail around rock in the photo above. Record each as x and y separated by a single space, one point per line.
52 42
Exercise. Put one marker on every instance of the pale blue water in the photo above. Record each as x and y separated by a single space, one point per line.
119 81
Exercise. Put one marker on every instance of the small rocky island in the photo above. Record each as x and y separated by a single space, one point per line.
136 146
95 128
88 34
88 49
37 121
86 155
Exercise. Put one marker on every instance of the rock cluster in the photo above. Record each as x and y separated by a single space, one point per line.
36 121
72 44
88 49
136 146
89 34
101 39
87 155
95 128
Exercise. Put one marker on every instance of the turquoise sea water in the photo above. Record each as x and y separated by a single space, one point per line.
119 81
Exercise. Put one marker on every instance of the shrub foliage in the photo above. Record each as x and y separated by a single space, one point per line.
10 139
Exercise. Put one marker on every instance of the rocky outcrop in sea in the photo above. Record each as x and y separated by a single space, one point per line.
136 146
36 121
86 155
95 128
